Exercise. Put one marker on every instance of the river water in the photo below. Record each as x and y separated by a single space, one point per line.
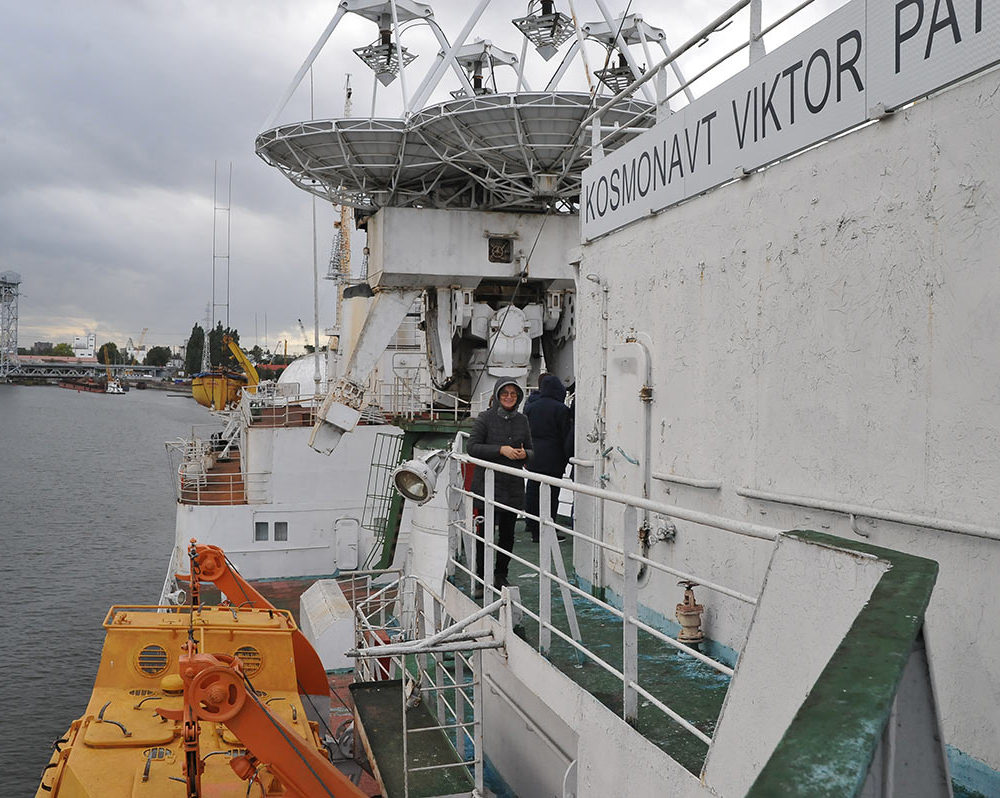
87 521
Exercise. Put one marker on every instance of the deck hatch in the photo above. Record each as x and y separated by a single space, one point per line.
152 660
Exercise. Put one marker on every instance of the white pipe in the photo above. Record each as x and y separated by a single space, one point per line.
306 65
708 484
583 52
692 42
460 73
677 71
694 516
430 83
623 48
910 519
520 65
399 53
457 627
756 42
563 67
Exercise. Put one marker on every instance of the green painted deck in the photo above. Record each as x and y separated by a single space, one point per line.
379 708
686 685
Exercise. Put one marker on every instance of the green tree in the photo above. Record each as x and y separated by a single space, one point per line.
256 354
62 350
195 347
108 353
158 356
218 351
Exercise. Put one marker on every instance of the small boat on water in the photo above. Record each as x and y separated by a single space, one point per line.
113 386
90 386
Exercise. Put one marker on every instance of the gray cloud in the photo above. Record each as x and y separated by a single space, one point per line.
112 116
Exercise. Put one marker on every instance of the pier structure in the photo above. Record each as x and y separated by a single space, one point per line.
72 368
9 289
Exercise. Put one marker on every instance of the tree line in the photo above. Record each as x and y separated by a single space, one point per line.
108 352
219 354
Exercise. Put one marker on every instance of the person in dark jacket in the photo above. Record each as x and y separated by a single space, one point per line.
501 435
551 424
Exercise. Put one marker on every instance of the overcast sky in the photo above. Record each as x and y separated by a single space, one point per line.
113 114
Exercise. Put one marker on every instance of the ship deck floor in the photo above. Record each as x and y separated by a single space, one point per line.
222 484
283 416
684 684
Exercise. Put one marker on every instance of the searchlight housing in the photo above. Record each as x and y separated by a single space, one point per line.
417 478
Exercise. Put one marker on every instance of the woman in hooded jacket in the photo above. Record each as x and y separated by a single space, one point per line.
501 435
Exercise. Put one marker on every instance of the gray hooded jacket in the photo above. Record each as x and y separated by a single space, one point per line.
493 428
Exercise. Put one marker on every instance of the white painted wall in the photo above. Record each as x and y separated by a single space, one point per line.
321 498
433 247
812 595
829 328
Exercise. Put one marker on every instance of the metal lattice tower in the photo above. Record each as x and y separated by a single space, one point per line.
9 287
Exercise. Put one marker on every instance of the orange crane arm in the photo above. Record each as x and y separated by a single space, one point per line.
214 567
215 691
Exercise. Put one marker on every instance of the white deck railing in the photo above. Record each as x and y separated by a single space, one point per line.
551 572
398 635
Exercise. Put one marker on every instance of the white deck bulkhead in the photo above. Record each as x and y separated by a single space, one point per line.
826 328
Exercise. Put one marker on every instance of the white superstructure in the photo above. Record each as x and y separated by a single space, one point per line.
800 344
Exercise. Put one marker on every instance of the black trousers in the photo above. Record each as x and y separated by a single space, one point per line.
504 521
531 504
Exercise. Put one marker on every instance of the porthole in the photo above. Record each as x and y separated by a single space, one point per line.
152 660
251 659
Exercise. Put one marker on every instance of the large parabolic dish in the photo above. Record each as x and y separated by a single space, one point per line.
519 151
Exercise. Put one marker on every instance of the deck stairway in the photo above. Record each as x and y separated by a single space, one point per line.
221 483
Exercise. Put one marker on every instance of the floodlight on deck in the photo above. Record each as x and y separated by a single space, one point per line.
617 77
416 479
385 57
547 29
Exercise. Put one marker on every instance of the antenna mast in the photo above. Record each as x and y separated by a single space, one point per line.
220 238
339 269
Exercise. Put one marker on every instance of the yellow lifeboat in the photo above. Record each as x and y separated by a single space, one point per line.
220 388
199 701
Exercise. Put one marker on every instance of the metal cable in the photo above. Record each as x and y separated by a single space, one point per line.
298 753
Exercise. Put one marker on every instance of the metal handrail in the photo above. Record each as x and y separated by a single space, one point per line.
628 675
201 487
450 714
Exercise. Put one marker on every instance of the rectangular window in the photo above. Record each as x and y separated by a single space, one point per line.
281 530
260 530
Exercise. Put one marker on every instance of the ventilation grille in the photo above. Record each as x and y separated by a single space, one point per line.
152 660
140 693
251 659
